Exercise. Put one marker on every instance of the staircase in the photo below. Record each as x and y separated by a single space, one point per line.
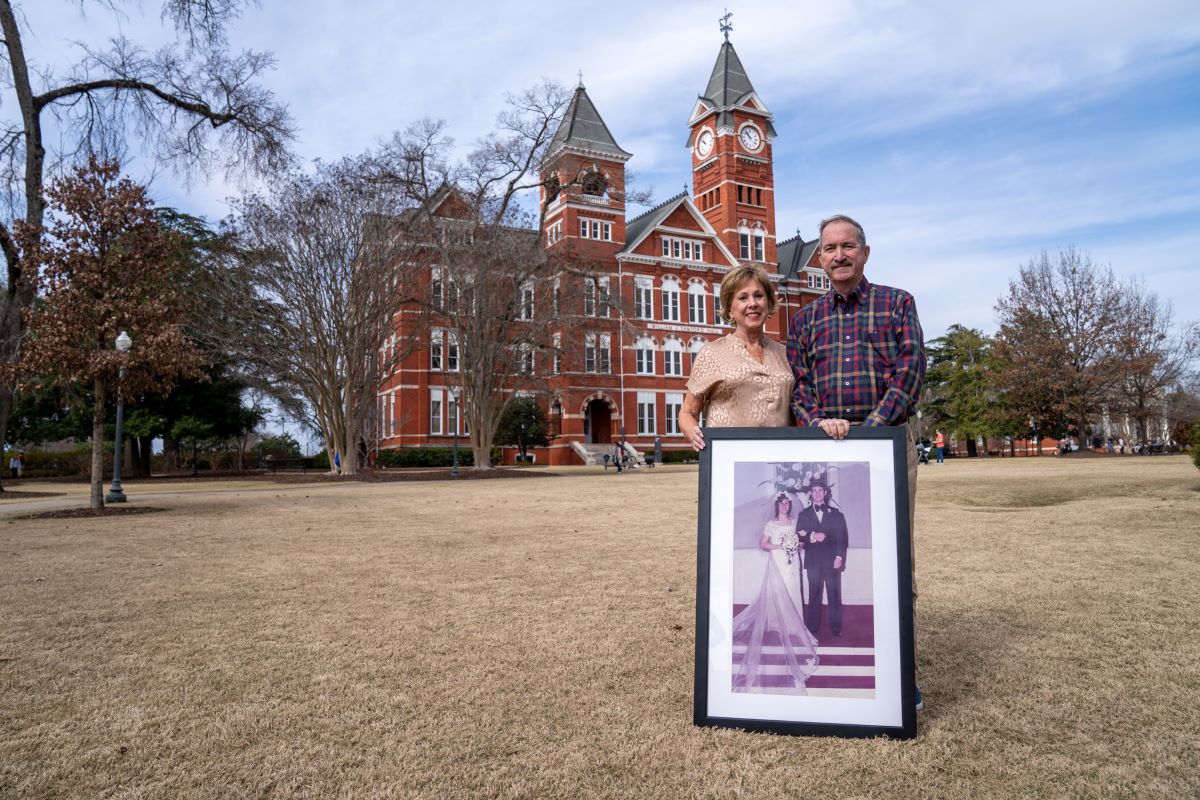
593 454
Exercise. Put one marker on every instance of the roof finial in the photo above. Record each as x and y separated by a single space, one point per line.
726 25
580 80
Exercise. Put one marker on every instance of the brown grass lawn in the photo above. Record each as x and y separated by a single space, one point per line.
534 639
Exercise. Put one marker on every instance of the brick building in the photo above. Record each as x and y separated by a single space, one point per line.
662 271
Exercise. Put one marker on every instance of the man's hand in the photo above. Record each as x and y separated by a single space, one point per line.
816 536
837 562
835 428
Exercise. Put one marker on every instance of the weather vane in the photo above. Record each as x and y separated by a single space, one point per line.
581 77
726 25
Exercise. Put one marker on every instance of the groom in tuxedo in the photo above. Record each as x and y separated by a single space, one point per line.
822 531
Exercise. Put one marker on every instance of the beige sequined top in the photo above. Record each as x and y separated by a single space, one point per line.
736 390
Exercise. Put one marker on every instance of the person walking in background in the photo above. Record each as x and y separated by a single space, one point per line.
858 353
14 466
939 444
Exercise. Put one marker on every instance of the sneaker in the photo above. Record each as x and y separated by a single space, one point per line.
920 699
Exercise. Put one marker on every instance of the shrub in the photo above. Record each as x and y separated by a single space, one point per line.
429 457
679 456
1196 443
40 464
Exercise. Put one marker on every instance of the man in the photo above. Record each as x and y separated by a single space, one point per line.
822 530
857 352
939 442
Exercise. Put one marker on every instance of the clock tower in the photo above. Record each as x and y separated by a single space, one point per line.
733 181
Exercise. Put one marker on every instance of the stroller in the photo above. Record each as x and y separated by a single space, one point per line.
923 449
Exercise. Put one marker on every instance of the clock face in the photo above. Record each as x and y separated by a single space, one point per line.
750 138
705 143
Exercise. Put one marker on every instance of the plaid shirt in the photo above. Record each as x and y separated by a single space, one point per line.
859 357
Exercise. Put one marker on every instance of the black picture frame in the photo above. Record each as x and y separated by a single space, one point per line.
863 684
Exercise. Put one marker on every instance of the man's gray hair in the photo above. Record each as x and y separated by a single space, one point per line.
862 237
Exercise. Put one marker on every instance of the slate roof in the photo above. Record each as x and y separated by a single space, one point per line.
582 128
637 226
728 86
793 254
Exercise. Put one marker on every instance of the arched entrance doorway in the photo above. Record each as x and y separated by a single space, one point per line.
597 422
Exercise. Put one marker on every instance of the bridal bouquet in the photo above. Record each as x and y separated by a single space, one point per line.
791 543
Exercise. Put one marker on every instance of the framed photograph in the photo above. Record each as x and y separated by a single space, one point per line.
804 583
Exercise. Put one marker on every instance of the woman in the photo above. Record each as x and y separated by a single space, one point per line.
775 617
742 379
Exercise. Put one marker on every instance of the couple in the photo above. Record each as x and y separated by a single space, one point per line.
855 356
773 618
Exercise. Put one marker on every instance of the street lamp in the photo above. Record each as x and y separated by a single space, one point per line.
454 390
115 494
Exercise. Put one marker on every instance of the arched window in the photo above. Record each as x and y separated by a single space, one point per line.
751 242
670 299
697 297
644 349
672 356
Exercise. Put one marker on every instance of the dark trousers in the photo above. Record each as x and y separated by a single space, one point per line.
830 580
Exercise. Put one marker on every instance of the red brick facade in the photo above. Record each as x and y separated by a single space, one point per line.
626 377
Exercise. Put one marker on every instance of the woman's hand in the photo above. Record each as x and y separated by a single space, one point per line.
689 421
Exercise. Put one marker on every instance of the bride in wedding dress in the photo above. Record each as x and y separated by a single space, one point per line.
775 617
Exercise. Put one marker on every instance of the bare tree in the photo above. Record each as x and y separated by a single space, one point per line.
1153 357
322 255
493 294
194 105
1058 330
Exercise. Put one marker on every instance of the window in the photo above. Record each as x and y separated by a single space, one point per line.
644 351
435 350
589 352
645 413
749 195
673 357
525 301
643 294
452 351
751 244
557 287
557 353
436 295
451 413
525 359
684 249
595 229
554 232
589 297
674 405
696 303
717 318
605 361
392 414
670 300
816 281
435 412
604 302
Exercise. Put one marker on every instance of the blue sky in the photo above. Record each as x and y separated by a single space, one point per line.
965 137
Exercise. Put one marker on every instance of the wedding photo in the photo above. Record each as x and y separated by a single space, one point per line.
803 612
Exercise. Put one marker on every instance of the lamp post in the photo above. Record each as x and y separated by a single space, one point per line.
115 494
454 471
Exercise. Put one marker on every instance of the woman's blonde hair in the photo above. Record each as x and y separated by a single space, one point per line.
733 281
